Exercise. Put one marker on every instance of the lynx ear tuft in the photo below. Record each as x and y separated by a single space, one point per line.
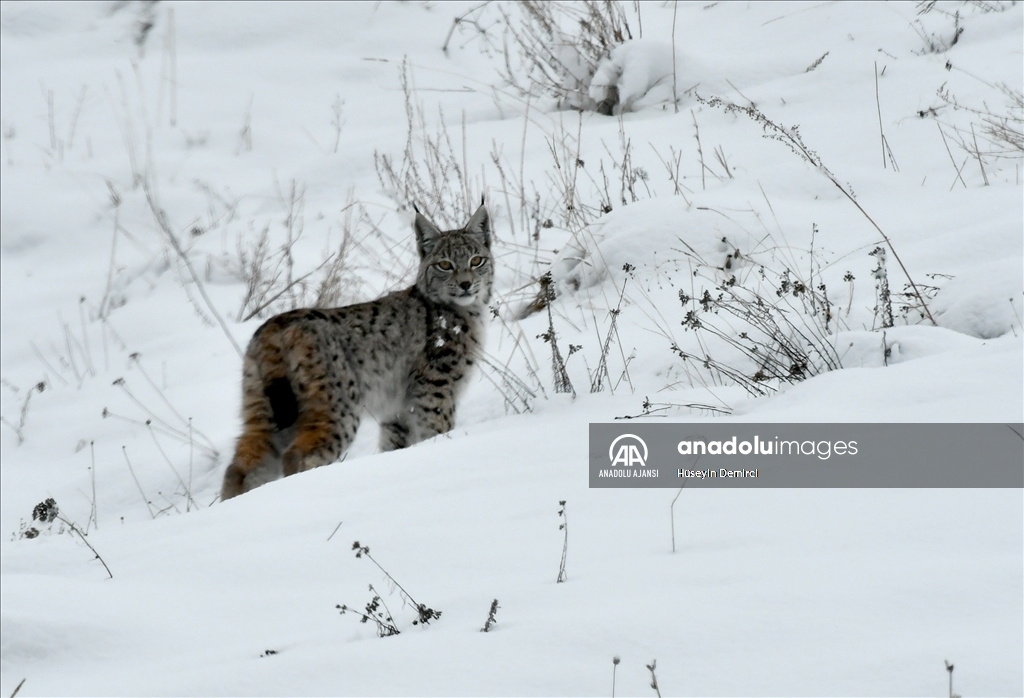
427 234
479 226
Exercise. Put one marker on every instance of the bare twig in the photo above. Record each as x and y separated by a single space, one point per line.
886 151
161 218
654 679
564 526
675 96
425 614
941 133
46 512
491 620
145 499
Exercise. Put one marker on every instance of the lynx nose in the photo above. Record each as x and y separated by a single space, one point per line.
466 285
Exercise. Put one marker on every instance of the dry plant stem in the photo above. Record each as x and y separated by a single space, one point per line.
387 610
950 153
977 154
93 513
47 512
160 423
886 150
161 219
959 171
793 141
878 107
145 499
522 165
78 532
700 151
675 10
591 28
39 355
491 619
562 383
294 225
245 133
336 121
564 526
672 167
74 117
19 428
188 493
420 608
191 458
288 288
17 688
459 20
884 303
172 47
385 626
672 511
183 437
136 358
85 337
516 394
654 679
596 385
720 156
615 665
496 159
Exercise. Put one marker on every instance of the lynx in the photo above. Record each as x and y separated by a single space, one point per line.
310 374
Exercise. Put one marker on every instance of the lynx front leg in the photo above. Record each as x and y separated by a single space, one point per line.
394 434
430 410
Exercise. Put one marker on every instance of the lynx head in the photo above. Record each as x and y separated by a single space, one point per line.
455 265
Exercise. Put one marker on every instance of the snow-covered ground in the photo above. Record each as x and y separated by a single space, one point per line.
146 149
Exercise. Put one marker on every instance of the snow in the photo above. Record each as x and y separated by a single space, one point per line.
965 303
245 118
634 69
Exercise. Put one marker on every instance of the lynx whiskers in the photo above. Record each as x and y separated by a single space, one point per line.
309 375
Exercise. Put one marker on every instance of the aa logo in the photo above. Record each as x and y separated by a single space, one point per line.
628 452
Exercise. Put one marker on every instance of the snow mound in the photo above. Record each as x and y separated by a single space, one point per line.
653 236
864 349
983 302
629 73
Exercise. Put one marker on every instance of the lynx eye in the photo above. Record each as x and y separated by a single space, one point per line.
476 261
445 265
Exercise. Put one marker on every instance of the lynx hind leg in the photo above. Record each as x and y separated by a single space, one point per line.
255 463
320 439
255 448
330 404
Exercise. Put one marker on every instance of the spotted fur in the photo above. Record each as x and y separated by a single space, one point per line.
309 375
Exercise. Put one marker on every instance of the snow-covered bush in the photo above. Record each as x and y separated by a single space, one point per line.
556 48
642 69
